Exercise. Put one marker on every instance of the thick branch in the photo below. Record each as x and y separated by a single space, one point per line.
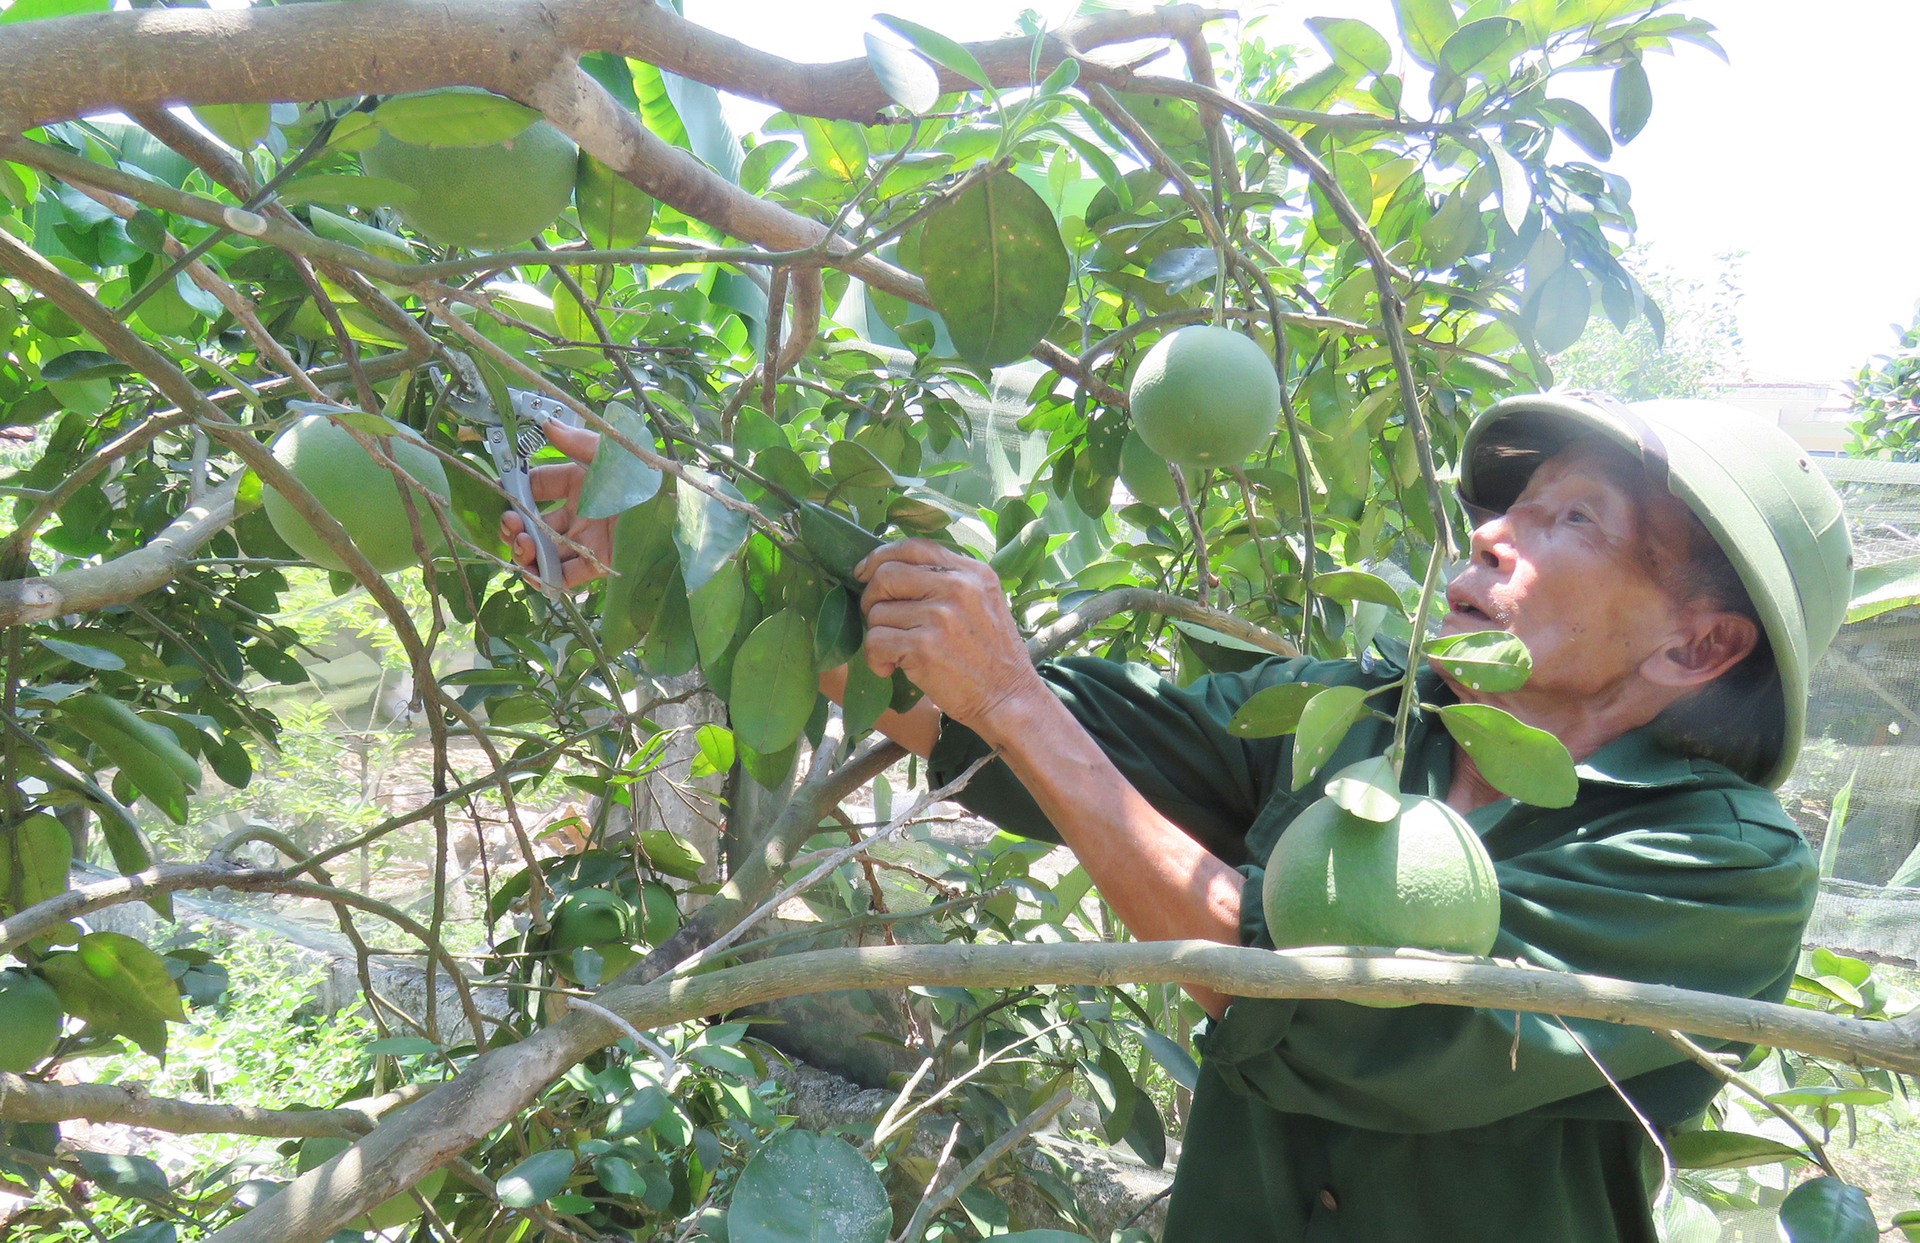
29 1100
503 1082
25 600
62 68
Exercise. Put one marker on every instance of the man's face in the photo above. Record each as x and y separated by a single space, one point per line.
1577 569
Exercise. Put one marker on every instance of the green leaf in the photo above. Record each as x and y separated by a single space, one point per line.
867 696
1357 585
836 148
713 751
1557 312
1173 1059
614 213
1908 1223
643 561
1469 46
995 268
706 531
855 466
1182 268
1631 100
83 654
1520 761
1324 722
347 190
1728 1150
124 1175
617 480
537 1179
1818 1095
454 118
1881 588
671 855
402 1046
1355 46
715 610
237 125
40 10
119 986
937 48
1516 192
45 849
1826 1210
907 80
1483 660
1573 120
1425 26
1368 789
1274 710
803 1187
775 683
839 630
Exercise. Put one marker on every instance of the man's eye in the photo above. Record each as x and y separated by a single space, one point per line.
1578 515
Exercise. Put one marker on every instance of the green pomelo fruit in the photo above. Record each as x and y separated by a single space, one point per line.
29 1020
589 917
387 1214
1205 396
1146 475
1422 880
614 213
661 918
357 490
483 198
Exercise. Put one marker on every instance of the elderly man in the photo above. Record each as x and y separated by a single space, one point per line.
1674 568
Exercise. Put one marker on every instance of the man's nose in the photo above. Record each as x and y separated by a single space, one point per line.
1492 543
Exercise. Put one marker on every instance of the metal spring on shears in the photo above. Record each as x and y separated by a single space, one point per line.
529 441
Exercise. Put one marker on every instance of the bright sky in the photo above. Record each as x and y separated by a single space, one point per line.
1798 154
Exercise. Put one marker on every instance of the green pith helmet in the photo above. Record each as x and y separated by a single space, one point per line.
1757 492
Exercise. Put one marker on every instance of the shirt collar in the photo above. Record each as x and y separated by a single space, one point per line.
1633 761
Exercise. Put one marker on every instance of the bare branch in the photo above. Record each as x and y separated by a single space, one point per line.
125 578
504 1081
29 1100
1064 630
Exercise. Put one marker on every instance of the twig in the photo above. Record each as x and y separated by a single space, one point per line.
1727 1075
933 1205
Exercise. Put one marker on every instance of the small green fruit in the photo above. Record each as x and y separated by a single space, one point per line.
662 913
1147 476
357 490
1422 880
30 1017
588 917
483 198
1205 396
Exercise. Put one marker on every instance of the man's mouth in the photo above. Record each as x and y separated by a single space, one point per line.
1461 608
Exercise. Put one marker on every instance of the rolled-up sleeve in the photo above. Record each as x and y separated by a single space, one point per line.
1170 742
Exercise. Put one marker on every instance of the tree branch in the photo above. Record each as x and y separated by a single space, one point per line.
499 1084
125 578
29 1100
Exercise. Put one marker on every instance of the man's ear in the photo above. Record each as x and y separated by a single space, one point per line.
1706 645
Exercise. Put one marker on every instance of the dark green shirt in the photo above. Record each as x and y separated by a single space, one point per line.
1325 1120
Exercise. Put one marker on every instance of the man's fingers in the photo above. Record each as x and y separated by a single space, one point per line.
921 552
885 649
559 482
576 442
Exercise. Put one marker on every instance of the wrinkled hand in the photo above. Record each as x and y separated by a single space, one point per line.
562 482
943 618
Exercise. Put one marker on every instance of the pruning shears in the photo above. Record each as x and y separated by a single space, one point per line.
511 448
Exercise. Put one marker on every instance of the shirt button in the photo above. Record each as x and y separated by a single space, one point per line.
1326 1198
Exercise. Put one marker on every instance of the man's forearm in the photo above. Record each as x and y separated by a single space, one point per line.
1161 883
